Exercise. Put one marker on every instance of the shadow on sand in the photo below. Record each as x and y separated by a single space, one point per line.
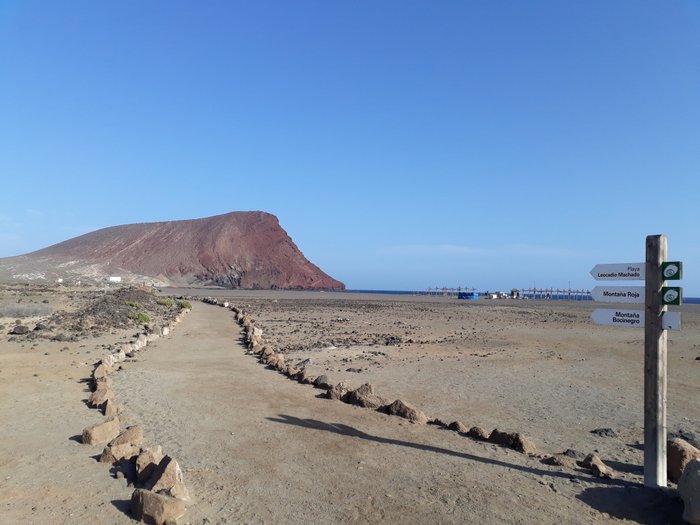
123 505
636 503
619 498
346 430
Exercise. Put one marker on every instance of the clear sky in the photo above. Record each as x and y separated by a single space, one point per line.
402 144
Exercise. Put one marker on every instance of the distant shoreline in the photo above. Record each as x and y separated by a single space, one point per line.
554 296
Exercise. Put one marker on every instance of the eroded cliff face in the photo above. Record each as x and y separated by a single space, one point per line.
234 250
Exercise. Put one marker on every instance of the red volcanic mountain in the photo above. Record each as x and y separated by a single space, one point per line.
234 250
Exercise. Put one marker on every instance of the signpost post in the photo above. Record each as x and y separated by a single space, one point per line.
656 320
655 344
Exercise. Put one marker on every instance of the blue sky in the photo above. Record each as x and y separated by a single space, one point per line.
401 144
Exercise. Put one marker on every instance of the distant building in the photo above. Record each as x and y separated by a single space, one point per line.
468 295
114 279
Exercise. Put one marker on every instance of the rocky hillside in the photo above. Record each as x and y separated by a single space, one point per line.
234 250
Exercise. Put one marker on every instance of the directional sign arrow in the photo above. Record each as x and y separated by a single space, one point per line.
619 272
633 318
618 294
626 318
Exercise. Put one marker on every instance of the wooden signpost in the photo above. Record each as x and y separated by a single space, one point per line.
656 320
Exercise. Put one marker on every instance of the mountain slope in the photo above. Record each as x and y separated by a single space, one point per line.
235 250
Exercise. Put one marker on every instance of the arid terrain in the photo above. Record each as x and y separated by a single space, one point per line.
257 447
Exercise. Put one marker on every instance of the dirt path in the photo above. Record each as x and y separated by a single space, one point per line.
258 448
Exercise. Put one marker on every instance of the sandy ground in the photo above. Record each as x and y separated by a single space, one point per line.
46 474
538 367
258 448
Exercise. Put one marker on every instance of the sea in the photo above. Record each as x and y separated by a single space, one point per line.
577 297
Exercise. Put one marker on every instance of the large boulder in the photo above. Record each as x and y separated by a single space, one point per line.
101 371
115 453
103 382
458 426
525 445
596 465
560 460
323 382
132 435
167 479
108 360
505 439
140 342
478 433
112 408
305 377
147 461
406 411
100 395
339 391
514 440
19 329
678 454
155 509
364 396
689 490
101 432
280 363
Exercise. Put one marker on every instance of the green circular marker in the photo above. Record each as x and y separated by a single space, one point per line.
670 296
670 271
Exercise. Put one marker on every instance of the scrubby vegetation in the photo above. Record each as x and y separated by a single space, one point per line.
141 317
165 302
134 304
24 310
122 308
183 304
